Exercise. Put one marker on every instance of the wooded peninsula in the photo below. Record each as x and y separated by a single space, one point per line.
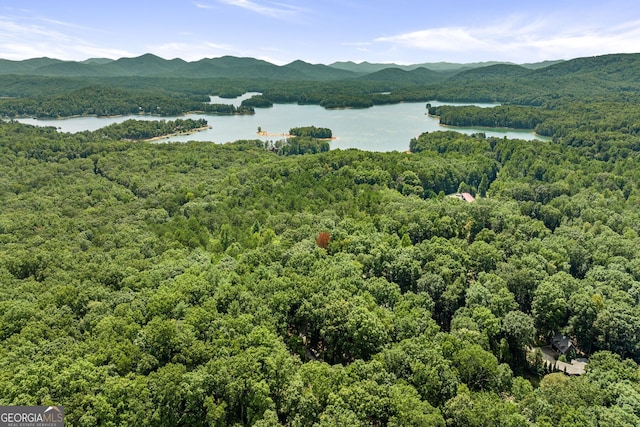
288 284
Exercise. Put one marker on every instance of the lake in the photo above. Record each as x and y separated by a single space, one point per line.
379 128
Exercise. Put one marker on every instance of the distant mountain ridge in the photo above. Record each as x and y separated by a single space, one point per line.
367 67
614 72
618 67
149 65
418 75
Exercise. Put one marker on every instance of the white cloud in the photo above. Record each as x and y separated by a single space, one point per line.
438 39
203 6
624 38
518 40
21 40
273 10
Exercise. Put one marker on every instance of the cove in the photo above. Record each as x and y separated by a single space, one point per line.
378 128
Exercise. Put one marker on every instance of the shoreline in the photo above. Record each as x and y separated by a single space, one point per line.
265 133
170 135
288 135
132 115
496 129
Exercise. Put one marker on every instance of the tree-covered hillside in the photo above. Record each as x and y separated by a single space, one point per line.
200 284
288 284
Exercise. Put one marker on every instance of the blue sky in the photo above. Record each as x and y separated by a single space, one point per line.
320 31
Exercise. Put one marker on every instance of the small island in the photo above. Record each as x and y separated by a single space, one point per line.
300 140
305 131
312 132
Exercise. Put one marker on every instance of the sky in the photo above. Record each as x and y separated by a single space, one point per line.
320 31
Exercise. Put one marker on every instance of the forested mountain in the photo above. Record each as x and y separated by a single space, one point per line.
145 65
150 65
249 284
367 67
233 67
419 75
611 70
28 66
501 71
318 71
97 61
621 65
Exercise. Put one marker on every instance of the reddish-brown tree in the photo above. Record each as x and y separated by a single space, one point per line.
323 239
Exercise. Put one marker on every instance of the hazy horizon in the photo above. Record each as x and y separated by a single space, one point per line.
316 63
402 32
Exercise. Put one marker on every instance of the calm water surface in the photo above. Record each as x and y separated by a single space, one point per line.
379 128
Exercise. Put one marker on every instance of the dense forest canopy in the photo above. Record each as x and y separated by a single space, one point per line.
289 284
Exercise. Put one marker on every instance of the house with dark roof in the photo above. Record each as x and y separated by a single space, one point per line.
562 344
